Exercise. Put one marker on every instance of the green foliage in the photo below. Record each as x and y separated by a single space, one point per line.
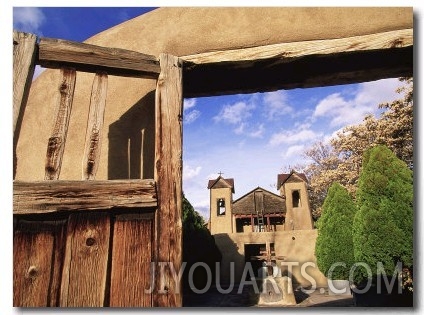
383 224
198 246
334 241
340 160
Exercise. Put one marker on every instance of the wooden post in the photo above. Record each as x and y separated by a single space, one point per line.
91 155
24 55
56 142
168 177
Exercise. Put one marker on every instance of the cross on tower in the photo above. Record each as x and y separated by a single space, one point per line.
220 173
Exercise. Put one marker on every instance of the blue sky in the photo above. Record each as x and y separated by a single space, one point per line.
250 137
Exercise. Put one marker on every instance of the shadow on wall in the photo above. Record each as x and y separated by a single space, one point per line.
131 151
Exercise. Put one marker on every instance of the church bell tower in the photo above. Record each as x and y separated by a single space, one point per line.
221 219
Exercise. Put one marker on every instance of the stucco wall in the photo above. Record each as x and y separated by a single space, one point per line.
296 247
300 218
128 129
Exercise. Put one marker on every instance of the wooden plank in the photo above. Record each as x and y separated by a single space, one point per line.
56 53
57 262
24 55
300 64
59 196
131 261
84 275
56 143
91 155
36 262
168 177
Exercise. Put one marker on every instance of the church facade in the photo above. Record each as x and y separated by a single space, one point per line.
260 210
262 222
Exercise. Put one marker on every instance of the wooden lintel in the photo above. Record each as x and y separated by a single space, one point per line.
59 196
56 53
300 64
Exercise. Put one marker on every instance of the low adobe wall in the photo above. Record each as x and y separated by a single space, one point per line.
296 247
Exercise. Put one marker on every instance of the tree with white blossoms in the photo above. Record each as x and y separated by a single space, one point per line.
340 159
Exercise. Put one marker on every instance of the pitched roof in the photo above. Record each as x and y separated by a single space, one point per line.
282 178
246 204
221 182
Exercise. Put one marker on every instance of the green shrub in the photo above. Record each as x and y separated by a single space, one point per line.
383 224
334 241
198 247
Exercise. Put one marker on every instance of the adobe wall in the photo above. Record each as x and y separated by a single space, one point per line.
300 218
129 123
296 247
221 223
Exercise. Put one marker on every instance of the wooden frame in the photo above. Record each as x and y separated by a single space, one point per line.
256 69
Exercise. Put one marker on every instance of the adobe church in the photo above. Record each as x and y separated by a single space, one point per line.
262 223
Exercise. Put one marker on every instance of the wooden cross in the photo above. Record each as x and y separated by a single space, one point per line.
220 173
268 257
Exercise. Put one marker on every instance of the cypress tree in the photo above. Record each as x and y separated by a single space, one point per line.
383 224
334 241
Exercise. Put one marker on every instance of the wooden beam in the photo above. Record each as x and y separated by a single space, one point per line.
300 64
56 143
91 155
56 53
24 55
59 196
168 176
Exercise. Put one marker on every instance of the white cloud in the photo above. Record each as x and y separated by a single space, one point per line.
235 114
365 101
189 103
28 19
329 105
276 104
292 136
191 116
189 173
240 129
377 92
259 132
293 151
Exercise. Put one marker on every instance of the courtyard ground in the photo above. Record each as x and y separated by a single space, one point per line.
213 298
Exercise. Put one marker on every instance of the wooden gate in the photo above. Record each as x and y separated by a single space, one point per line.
92 243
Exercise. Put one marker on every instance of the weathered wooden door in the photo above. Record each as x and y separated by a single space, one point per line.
92 243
